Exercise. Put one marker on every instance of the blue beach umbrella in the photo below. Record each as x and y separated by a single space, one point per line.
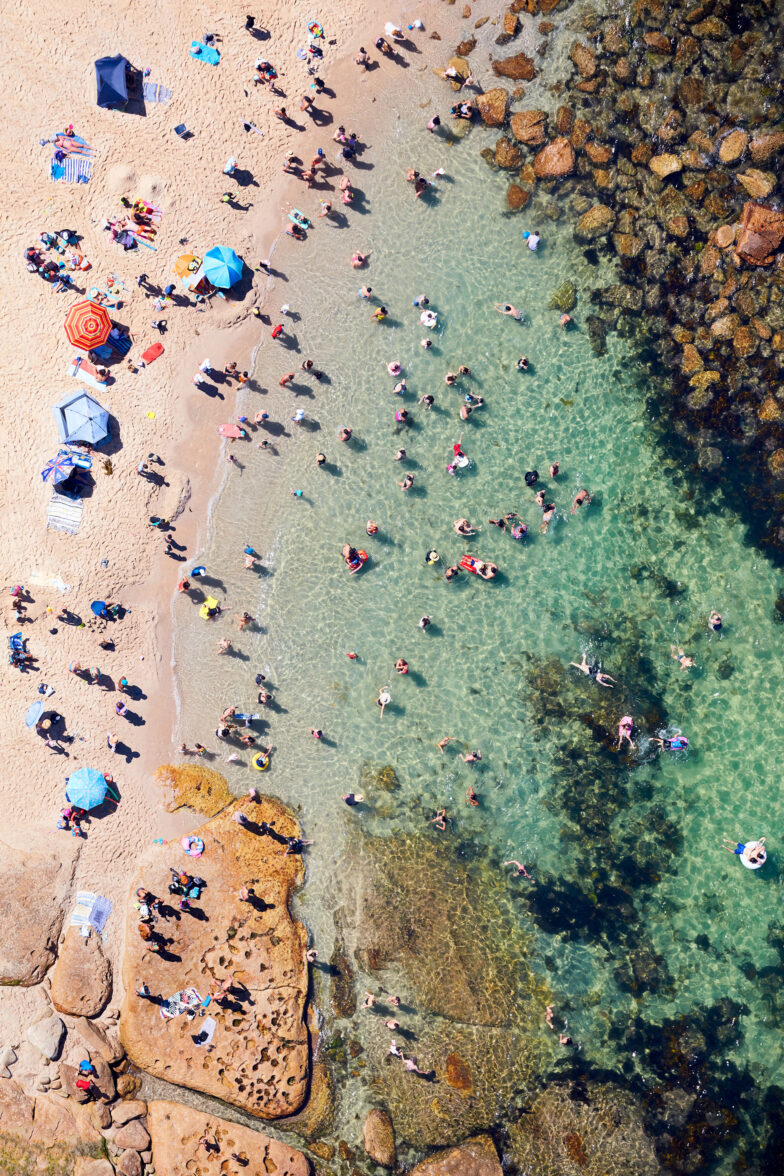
58 468
86 788
81 418
34 712
222 267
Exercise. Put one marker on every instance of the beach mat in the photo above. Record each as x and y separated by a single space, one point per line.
91 910
64 514
205 53
82 370
123 344
74 169
152 352
153 92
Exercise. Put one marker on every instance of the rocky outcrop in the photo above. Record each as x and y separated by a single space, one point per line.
519 68
84 1166
379 1138
99 1042
475 1157
176 1130
555 160
44 1133
596 222
760 235
132 1135
493 106
30 928
47 1036
82 976
258 1056
529 127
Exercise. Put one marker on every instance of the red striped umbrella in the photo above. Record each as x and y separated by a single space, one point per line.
87 325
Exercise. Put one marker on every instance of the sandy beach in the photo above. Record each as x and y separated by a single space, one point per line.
116 555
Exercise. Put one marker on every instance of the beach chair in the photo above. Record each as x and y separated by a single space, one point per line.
183 131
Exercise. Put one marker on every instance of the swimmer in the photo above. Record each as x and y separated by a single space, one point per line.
465 412
463 527
432 556
507 308
519 869
400 455
365 292
383 700
394 367
371 528
548 512
625 728
407 482
714 620
539 498
548 1016
452 573
463 370
392 1024
678 742
564 320
344 434
427 400
594 672
326 208
321 459
522 363
359 259
401 416
531 477
379 315
439 820
471 797
473 757
286 379
449 379
756 856
426 343
685 662
443 742
424 622
317 733
369 1000
580 498
243 620
555 469
401 387
421 300
401 666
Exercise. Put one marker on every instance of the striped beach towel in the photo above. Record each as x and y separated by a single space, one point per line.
64 514
75 169
153 92
91 910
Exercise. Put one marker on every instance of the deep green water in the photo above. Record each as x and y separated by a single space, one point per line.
638 925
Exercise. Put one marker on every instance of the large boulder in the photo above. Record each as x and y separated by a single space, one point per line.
132 1135
379 1138
529 126
130 1164
519 68
259 1055
475 1157
555 160
32 927
760 235
124 1112
47 1036
82 976
176 1130
596 222
493 106
99 1042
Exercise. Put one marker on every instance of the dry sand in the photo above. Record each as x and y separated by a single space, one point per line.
47 84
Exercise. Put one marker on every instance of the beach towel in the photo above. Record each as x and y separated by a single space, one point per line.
152 352
91 910
74 169
121 343
206 1031
103 352
64 514
187 999
82 370
204 52
153 92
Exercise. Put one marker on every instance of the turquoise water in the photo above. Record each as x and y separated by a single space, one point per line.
637 917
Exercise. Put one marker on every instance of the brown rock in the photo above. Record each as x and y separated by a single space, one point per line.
642 153
458 1074
770 410
692 360
466 47
520 67
703 380
696 191
596 222
547 6
762 328
176 1130
517 197
30 929
123 1112
555 160
732 146
379 1138
584 59
527 173
466 11
98 1041
82 976
687 52
84 1166
260 1052
62 1121
127 1085
627 245
694 160
580 132
613 40
678 226
129 1164
132 1135
588 85
761 233
717 309
681 335
475 1157
507 154
100 1116
564 120
763 146
664 165
604 180
528 126
511 25
725 326
623 70
745 341
758 184
690 90
68 1077
712 28
546 27
776 462
658 43
492 107
598 153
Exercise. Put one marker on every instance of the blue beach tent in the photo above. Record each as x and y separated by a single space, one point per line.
110 76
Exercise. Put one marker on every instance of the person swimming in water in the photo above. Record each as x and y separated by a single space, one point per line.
625 728
714 620
680 657
463 527
508 309
595 673
678 742
580 498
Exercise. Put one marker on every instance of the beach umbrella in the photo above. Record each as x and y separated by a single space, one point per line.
81 418
59 468
186 263
222 267
34 712
86 788
87 325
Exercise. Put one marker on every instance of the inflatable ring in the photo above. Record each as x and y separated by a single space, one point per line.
750 847
194 846
315 29
260 761
428 318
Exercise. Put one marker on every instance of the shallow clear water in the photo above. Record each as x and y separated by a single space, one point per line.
625 579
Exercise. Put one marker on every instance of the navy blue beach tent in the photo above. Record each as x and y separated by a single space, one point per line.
110 76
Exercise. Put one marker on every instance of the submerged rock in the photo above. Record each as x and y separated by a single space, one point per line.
555 161
517 197
176 1130
520 68
584 59
758 184
761 233
596 222
378 1136
665 165
475 1157
260 1050
507 154
82 976
529 126
493 106
732 146
764 146
564 298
